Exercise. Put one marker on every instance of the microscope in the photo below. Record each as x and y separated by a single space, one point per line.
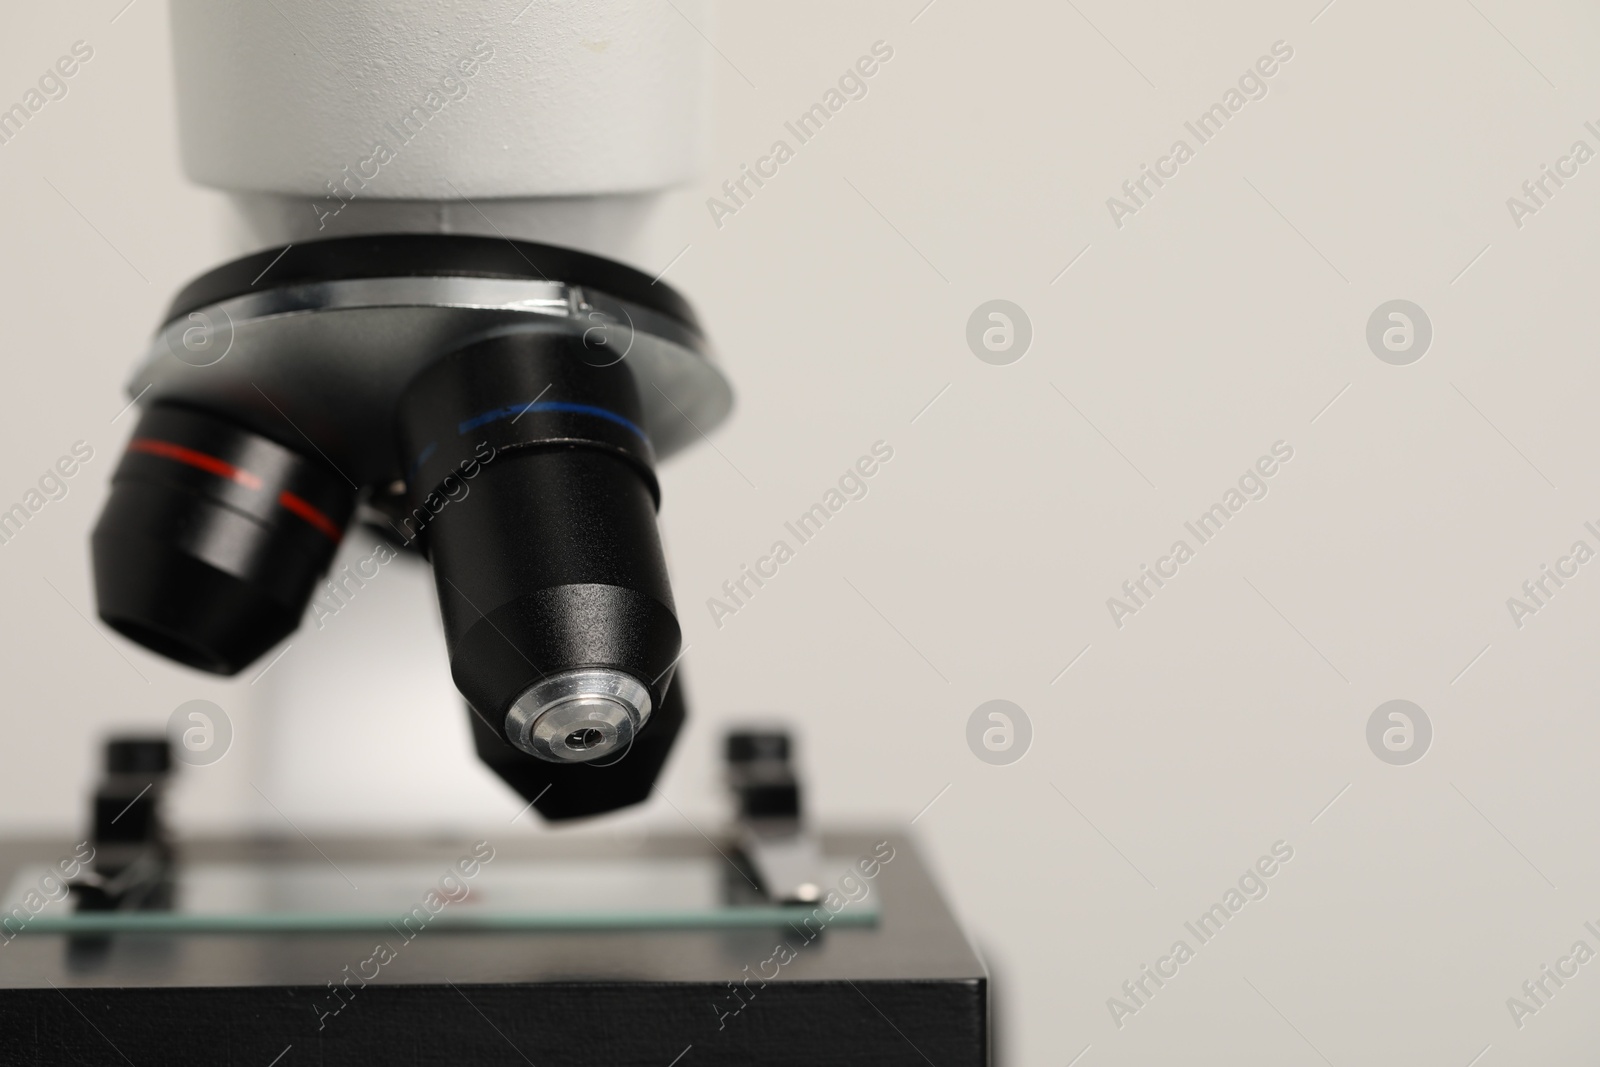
396 357
439 340
495 405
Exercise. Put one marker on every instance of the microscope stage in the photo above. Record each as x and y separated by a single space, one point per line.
545 951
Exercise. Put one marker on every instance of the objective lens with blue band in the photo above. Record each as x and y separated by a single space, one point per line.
541 530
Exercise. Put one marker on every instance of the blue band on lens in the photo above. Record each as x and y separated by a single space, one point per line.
515 411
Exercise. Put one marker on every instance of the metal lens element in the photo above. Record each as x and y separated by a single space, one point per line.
578 716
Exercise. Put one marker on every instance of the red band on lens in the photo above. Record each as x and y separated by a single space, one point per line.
223 469
209 464
311 514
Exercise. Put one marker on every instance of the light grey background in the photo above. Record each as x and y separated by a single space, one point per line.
1228 314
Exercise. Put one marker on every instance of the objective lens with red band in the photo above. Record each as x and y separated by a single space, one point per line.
213 539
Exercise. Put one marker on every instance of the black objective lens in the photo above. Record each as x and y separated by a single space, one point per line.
213 539
533 493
